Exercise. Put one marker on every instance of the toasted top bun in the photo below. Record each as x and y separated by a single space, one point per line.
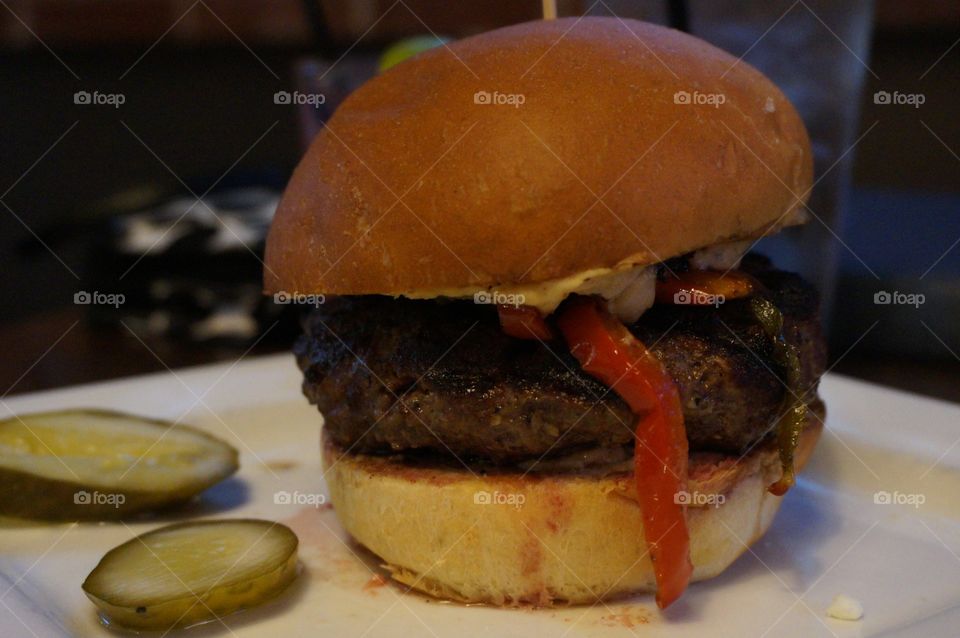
536 152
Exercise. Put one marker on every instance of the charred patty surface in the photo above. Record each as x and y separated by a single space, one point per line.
396 375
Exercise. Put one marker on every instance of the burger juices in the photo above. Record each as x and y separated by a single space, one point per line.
549 302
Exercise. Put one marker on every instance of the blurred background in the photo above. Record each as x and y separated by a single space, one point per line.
145 144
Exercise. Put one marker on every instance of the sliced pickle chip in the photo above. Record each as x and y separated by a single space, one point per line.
97 464
188 573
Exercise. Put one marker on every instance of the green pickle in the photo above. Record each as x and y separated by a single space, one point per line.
792 420
103 465
189 573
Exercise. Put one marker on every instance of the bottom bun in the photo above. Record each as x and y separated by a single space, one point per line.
505 538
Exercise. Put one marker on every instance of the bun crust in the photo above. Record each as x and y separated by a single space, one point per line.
574 538
496 194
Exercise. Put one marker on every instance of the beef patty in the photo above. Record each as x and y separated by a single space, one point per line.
394 375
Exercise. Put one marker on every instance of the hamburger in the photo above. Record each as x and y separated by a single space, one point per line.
549 364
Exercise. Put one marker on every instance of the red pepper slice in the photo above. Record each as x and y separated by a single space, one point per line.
524 322
608 351
704 287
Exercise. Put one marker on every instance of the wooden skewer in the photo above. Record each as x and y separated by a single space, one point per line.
549 9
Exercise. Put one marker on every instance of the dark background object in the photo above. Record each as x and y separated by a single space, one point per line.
199 81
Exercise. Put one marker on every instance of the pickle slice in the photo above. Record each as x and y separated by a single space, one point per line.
97 464
188 573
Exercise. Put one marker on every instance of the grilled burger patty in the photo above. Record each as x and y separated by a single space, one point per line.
467 390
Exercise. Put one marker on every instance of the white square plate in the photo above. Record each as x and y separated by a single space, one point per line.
901 561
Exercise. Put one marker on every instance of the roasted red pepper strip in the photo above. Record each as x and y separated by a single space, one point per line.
704 287
524 322
608 351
